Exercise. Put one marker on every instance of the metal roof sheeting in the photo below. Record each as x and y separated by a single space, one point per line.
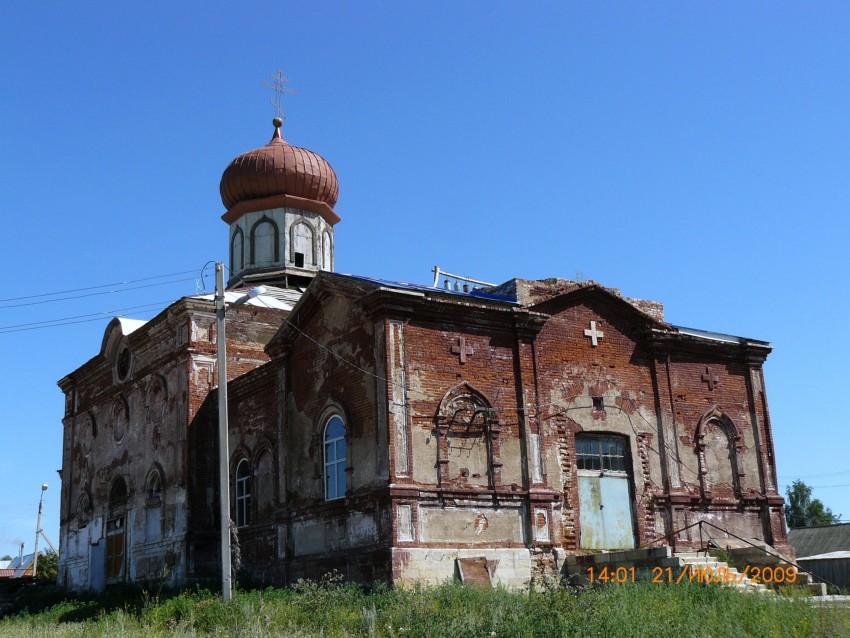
424 288
815 541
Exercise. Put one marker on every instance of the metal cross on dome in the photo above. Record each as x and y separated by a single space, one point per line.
279 88
594 334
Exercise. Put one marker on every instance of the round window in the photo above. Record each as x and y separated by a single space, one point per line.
122 367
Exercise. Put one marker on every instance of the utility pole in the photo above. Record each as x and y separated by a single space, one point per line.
223 427
223 433
38 530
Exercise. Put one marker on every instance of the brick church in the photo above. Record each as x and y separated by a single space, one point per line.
396 432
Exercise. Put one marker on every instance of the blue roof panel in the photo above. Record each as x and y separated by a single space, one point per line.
475 294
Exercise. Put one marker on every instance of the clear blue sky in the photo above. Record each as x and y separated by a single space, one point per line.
694 153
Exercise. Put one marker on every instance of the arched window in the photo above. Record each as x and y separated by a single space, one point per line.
237 256
327 250
718 442
118 495
264 485
335 458
155 486
84 509
719 454
265 246
301 254
153 506
243 494
469 446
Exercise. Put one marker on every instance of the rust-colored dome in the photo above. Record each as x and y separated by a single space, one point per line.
279 169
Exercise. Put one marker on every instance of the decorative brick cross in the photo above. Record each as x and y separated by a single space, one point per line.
594 334
710 379
462 349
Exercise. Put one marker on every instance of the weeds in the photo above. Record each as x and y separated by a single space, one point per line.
332 608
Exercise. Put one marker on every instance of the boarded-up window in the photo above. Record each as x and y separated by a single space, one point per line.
264 475
719 456
264 242
237 256
115 549
327 251
302 245
468 444
153 507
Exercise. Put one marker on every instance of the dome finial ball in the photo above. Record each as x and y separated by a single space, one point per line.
278 122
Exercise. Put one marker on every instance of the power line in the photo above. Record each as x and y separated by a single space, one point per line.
826 475
820 487
117 283
61 324
95 316
51 323
90 294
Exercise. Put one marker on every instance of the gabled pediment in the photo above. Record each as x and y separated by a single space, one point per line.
642 313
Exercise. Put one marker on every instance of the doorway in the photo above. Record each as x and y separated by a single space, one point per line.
116 533
604 486
114 550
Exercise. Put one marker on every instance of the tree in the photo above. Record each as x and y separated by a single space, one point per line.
801 510
6 557
48 567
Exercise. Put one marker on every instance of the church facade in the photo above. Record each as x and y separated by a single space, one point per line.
398 432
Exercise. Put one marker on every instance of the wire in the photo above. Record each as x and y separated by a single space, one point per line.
819 487
91 294
50 323
62 324
827 475
200 283
118 283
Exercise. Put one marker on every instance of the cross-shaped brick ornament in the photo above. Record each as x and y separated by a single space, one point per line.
594 334
709 378
462 349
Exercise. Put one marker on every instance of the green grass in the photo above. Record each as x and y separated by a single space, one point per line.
332 609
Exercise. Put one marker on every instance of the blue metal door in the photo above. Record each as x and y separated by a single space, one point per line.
605 508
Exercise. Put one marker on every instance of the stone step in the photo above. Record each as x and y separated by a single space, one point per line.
700 560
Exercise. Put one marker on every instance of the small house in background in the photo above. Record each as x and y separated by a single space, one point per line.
19 567
824 551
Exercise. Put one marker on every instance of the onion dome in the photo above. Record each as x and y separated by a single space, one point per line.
279 169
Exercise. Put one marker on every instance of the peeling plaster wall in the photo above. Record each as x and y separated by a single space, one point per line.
249 329
126 430
461 422
133 426
283 407
320 384
512 567
466 488
656 395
